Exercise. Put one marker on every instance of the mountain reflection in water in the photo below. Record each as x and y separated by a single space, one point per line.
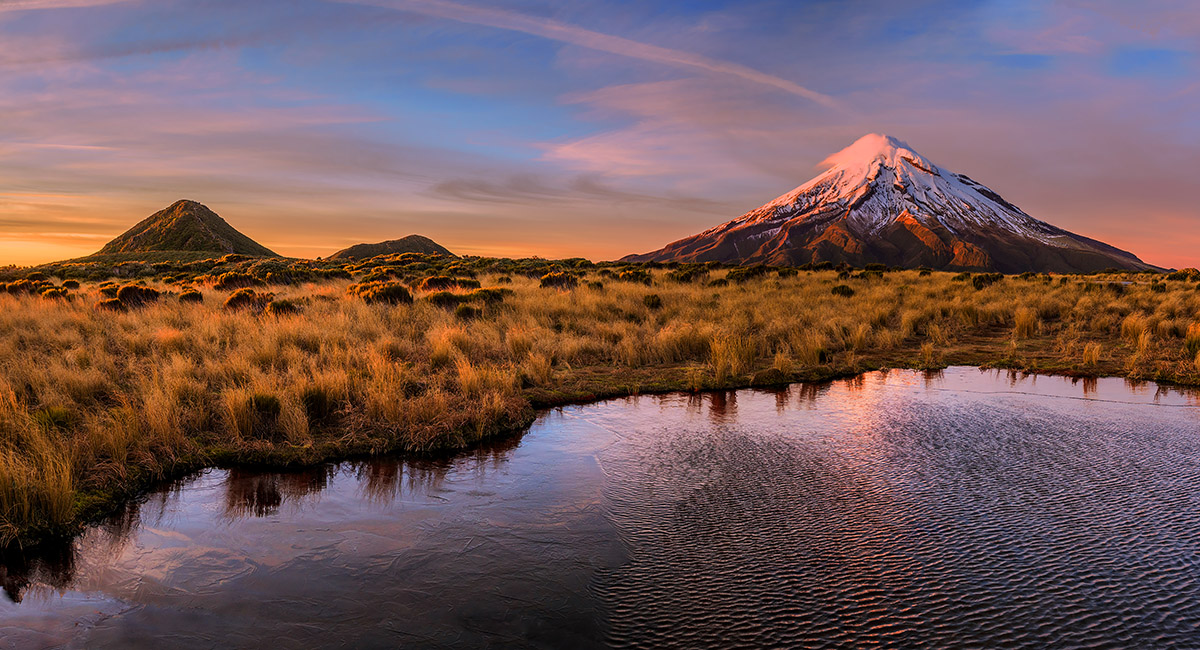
900 509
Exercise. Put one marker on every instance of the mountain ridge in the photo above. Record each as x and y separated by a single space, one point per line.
409 244
879 201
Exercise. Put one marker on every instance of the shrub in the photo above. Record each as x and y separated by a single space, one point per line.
466 312
596 285
460 270
444 299
379 275
71 284
652 301
273 271
332 274
787 272
489 296
1158 287
636 275
54 293
236 280
688 274
842 290
747 273
191 295
390 293
283 308
36 276
136 295
986 280
924 272
504 279
961 277
444 282
19 287
247 299
559 280
110 304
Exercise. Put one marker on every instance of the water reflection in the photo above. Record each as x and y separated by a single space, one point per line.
246 493
250 493
891 509
722 406
51 567
808 394
933 377
1088 384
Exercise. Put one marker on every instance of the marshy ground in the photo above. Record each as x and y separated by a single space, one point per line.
120 374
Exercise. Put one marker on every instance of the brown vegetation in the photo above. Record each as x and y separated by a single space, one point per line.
94 404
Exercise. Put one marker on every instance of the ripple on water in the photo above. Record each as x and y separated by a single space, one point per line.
897 510
892 515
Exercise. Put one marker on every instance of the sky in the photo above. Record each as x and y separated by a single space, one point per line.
581 128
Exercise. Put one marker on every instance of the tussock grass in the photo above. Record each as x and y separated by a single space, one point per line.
94 404
1026 323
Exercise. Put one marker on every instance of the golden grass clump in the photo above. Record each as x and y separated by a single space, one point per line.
1192 339
731 357
1026 323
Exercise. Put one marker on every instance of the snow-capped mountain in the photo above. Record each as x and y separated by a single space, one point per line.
880 201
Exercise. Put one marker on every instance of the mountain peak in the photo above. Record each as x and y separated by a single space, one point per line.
875 149
184 226
879 201
188 204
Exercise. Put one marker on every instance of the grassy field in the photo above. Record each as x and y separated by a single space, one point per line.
110 384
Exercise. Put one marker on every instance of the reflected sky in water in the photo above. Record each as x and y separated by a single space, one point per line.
899 508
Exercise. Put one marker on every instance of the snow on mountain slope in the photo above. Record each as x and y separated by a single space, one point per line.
881 201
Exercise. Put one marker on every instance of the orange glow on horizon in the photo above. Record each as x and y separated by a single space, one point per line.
88 222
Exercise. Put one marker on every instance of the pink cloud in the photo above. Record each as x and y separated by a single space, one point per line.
574 35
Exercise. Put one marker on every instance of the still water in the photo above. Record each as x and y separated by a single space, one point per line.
963 509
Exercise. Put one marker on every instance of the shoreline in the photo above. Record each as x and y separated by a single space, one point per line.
98 404
99 506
